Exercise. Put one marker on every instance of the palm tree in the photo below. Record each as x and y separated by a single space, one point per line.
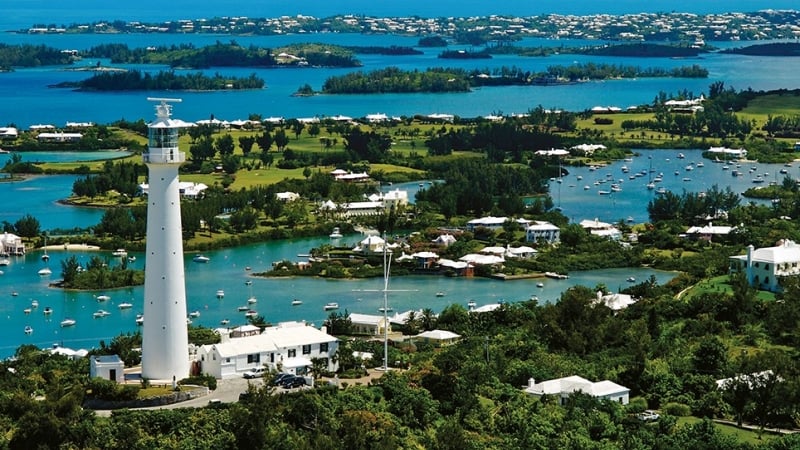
428 320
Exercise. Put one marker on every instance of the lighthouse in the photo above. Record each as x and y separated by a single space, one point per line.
165 342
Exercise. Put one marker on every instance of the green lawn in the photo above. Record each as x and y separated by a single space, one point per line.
750 437
720 284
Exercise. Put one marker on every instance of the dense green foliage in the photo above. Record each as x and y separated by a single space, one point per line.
27 55
98 274
135 80
394 80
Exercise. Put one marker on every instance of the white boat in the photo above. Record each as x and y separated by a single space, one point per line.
248 283
201 259
103 298
251 313
45 272
471 304
586 188
27 310
252 300
120 252
68 322
28 329
242 308
45 257
47 311
224 322
336 234
34 303
330 306
125 305
651 185
604 192
440 294
540 284
194 313
681 156
700 164
387 309
297 302
220 293
131 258
758 179
101 313
5 262
139 319
631 280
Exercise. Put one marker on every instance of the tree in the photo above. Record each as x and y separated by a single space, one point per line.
281 139
224 145
246 143
28 226
264 141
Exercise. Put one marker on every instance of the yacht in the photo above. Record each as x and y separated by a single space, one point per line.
68 322
45 272
201 259
139 319
471 304
34 303
101 313
251 313
103 298
28 329
125 305
297 302
47 311
220 293
194 314
243 308
120 252
385 310
252 300
330 306
440 294
224 322
336 234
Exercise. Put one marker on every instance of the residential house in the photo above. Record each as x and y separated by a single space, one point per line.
444 240
707 232
438 338
764 267
542 231
562 388
369 325
287 347
602 229
492 223
11 244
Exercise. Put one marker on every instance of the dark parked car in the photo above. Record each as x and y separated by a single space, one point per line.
279 378
293 382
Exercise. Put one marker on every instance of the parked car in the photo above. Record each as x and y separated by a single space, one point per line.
279 378
257 372
293 382
648 415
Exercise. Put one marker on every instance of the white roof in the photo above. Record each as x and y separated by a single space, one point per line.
617 301
372 240
488 221
481 259
575 383
366 319
439 335
788 251
595 224
293 334
258 343
542 225
425 255
521 250
486 308
553 152
710 229
453 264
494 250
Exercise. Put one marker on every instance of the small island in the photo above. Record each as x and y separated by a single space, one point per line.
136 80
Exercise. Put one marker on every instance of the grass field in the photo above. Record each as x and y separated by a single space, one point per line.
720 285
748 436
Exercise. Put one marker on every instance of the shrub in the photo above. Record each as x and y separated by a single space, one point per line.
677 409
200 380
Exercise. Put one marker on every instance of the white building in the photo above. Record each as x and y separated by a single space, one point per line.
564 387
108 367
764 267
602 229
186 189
492 223
542 231
287 347
369 325
11 244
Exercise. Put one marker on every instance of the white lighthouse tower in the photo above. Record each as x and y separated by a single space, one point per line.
165 343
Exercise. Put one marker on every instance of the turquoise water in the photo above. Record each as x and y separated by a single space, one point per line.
227 271
39 196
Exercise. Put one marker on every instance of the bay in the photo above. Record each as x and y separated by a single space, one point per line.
227 270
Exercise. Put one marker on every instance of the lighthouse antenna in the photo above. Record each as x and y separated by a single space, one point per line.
164 109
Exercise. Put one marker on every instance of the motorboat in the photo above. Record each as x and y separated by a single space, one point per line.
47 311
252 300
27 310
194 314
297 302
700 164
651 185
34 303
681 156
386 309
101 313
125 305
45 271
335 234
630 219
440 294
251 313
103 298
471 304
120 252
631 280
540 284
248 283
28 329
224 322
242 308
201 259
330 306
5 262
68 323
131 258
220 293
139 319
604 192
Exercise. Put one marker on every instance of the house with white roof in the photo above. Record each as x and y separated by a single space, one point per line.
615 300
369 325
287 196
492 223
564 387
764 267
542 231
521 252
287 347
444 239
438 337
602 229
107 367
11 244
708 232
